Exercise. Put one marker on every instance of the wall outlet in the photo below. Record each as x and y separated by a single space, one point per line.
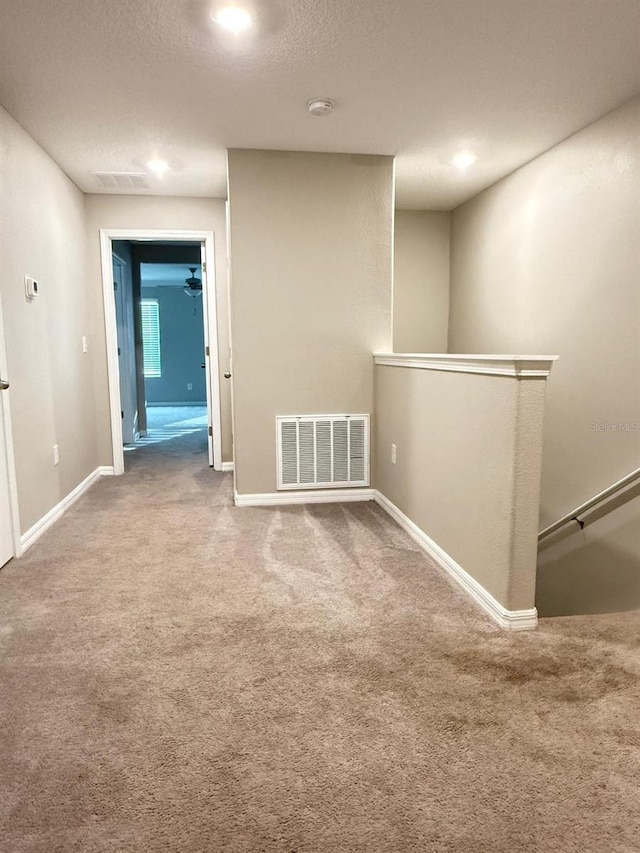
85 344
394 453
189 386
56 454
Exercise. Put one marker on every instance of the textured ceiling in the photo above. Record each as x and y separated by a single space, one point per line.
103 85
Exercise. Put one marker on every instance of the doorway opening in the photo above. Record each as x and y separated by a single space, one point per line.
162 343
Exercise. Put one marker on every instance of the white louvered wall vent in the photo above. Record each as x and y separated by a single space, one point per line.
322 451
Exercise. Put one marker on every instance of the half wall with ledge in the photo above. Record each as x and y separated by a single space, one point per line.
457 459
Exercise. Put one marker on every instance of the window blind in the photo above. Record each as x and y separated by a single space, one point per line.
151 338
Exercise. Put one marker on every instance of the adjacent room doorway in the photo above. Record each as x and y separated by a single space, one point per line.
151 395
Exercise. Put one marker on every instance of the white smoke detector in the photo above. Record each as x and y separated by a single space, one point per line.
320 106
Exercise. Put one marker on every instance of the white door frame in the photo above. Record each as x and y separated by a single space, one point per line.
209 307
5 409
227 215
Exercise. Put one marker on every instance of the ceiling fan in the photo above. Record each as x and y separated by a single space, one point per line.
193 284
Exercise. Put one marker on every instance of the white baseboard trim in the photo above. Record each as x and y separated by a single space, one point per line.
227 466
513 620
320 496
34 533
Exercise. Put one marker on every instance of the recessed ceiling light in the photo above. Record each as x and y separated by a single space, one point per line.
158 166
464 159
233 18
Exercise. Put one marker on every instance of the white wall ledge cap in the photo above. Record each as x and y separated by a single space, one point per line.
520 366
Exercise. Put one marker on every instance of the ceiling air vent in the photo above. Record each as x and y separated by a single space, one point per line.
121 180
322 451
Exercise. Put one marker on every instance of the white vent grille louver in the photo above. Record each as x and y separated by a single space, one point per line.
121 180
322 451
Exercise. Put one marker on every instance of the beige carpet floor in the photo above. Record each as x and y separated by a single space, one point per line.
180 675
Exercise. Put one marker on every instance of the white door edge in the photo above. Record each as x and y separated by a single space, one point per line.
211 359
5 411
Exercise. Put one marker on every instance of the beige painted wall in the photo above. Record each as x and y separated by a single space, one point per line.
311 250
548 260
156 212
467 470
42 235
421 281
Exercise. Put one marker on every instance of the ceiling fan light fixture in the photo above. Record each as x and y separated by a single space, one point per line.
193 285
